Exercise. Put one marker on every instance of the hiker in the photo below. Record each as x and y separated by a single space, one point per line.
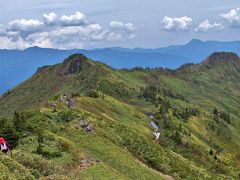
4 145
157 135
53 105
89 128
70 102
154 126
151 116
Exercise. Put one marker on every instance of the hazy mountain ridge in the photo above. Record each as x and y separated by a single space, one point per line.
29 60
89 74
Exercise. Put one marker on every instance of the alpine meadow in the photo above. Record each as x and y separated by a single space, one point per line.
79 101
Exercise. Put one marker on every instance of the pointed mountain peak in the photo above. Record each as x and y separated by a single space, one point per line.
219 57
195 42
75 64
33 47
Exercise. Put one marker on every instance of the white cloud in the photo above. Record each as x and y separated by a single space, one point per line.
117 25
12 43
114 37
25 25
50 18
66 32
206 26
176 23
72 36
233 16
73 20
121 29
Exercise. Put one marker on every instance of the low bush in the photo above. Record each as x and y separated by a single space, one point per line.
65 116
38 165
14 169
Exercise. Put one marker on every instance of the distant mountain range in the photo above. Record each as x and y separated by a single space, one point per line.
17 65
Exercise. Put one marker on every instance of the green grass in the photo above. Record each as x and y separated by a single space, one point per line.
122 142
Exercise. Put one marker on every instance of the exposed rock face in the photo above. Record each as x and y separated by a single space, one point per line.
74 64
220 57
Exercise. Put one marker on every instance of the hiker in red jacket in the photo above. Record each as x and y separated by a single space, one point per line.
4 145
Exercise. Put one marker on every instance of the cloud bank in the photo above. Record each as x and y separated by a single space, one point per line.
233 17
117 25
206 26
76 19
62 32
50 18
25 25
176 23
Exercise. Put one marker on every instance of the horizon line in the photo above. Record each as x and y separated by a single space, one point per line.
112 47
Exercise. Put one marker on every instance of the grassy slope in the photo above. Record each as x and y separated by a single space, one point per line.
217 86
103 146
60 80
117 161
114 161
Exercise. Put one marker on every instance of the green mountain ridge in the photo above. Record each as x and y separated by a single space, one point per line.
195 106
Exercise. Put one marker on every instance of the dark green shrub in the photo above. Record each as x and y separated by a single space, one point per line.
93 94
65 116
8 131
211 152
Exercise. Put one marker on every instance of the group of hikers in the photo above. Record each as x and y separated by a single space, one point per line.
156 131
67 99
4 145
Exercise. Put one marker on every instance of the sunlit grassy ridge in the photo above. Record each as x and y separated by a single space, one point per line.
195 143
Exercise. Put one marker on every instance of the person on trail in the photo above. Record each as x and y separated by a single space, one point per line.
4 145
157 135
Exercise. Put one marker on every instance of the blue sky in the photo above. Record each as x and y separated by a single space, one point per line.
67 24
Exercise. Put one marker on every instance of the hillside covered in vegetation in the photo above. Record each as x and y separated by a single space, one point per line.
82 119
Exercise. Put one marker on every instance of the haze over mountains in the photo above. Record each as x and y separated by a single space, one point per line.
17 65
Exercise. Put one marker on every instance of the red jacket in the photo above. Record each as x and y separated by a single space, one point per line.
2 140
